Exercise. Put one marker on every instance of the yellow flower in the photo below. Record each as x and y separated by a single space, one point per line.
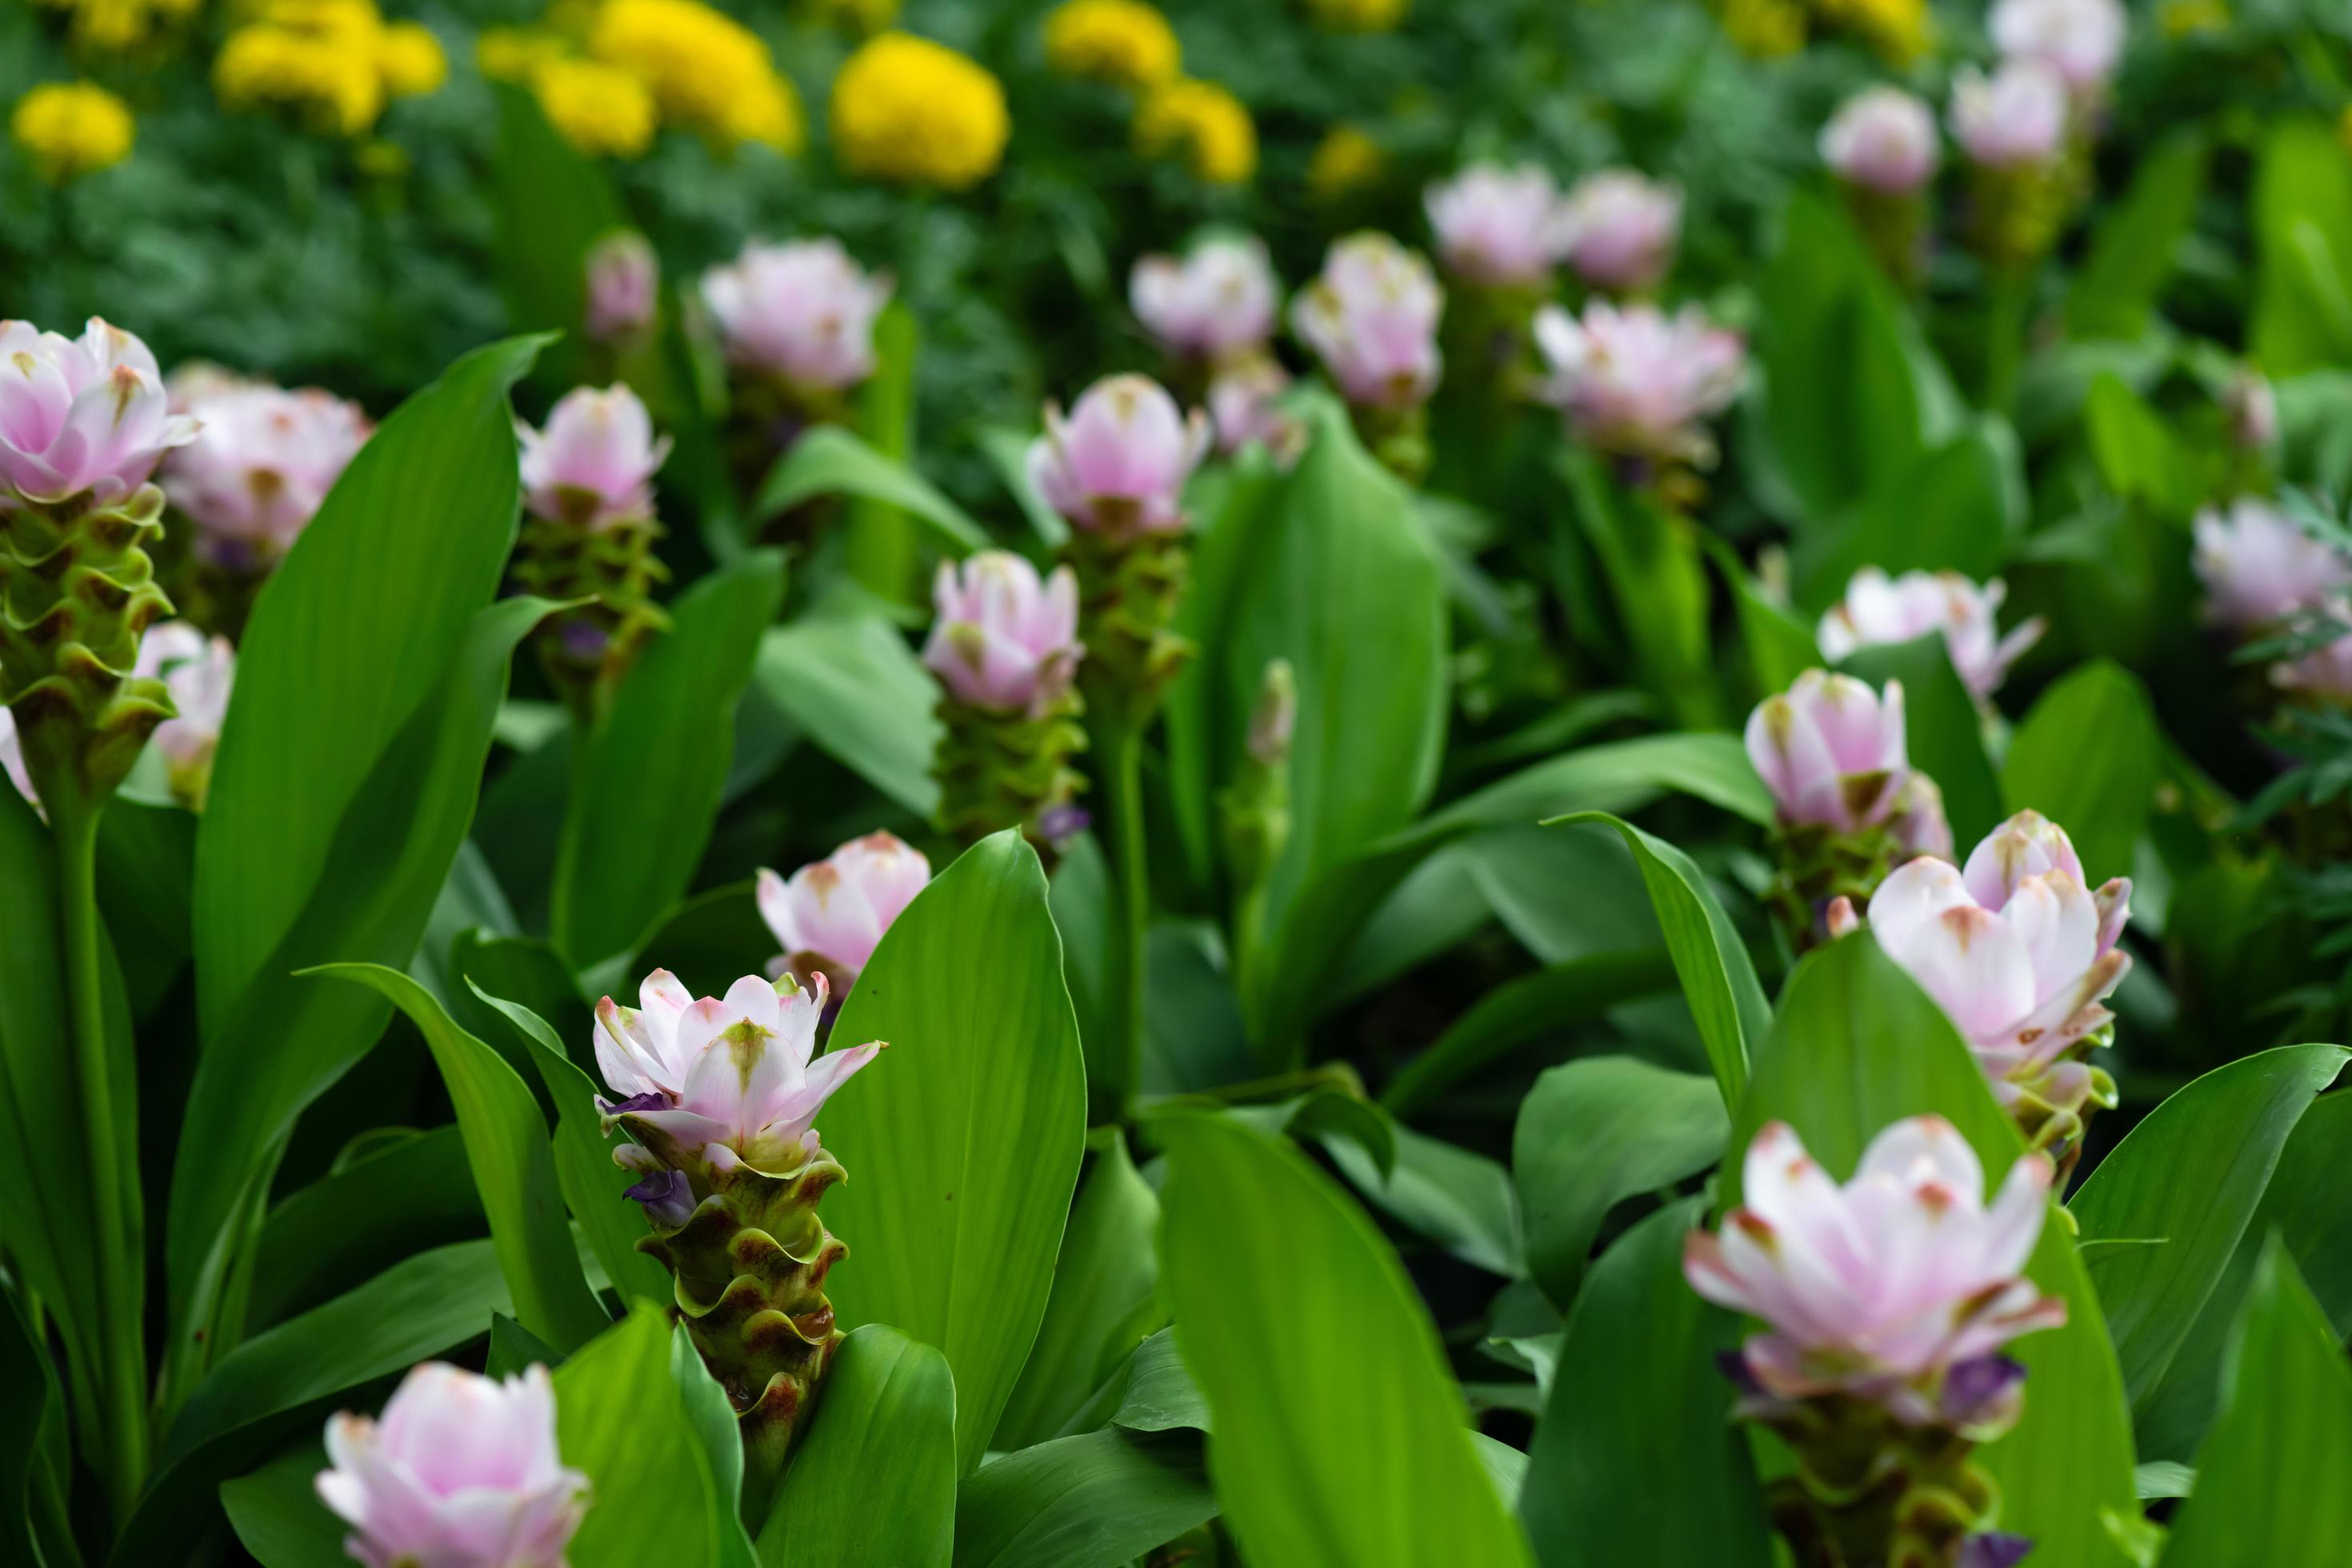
318 78
1203 124
708 73
515 54
602 109
1124 42
69 128
1344 162
913 112
119 27
1358 16
409 59
1764 29
1896 29
865 16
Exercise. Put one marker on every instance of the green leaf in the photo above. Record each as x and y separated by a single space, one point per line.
878 544
873 1479
1592 1134
1159 1394
1636 1462
1340 1435
146 881
2302 213
669 738
1779 644
552 204
828 460
404 1194
2138 455
621 1420
277 1516
1459 1199
862 696
1957 507
963 1143
1941 728
35 1459
2270 1478
1651 556
720 1432
2136 240
1533 1007
1094 1500
2087 757
514 1347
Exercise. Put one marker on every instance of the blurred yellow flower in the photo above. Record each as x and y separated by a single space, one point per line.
602 109
1897 30
1124 42
409 59
332 64
119 27
708 73
1764 29
1358 16
1202 123
69 128
1344 162
913 112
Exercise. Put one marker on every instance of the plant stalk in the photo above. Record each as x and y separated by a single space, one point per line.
1119 749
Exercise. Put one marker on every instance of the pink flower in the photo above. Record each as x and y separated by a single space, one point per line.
1004 639
726 1081
2326 670
1619 230
1880 1287
803 313
832 914
2259 567
83 416
462 1472
1217 299
2015 949
2015 118
1833 752
622 287
1881 609
262 462
594 465
1121 458
1245 403
1882 139
199 672
1370 316
1496 226
1636 381
2082 40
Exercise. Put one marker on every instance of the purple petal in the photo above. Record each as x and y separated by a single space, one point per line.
1734 1366
1058 825
666 1197
1993 1549
1975 1386
637 1102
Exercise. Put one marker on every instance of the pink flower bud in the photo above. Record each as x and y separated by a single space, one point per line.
1636 381
1004 639
594 465
2250 406
1496 226
803 312
461 1472
2015 118
1832 750
1370 316
622 287
1882 139
1244 402
1619 230
262 462
1217 299
2081 40
1121 458
1879 609
199 672
83 416
2259 567
833 912
1879 1288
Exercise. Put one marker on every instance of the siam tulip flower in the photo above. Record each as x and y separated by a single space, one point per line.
1636 381
1833 752
80 416
1882 140
262 462
1879 609
594 465
461 1472
1245 403
2014 119
1005 640
2325 671
803 312
622 287
2259 567
2082 40
1495 226
2250 407
1370 316
198 671
1121 459
1216 301
832 914
1619 230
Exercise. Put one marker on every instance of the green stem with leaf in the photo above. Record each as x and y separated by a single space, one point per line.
1118 753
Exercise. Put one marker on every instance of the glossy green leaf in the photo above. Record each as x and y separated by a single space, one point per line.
146 884
621 1420
1285 1297
857 690
2138 455
514 1347
1779 644
1094 1500
2136 242
404 1194
962 1143
35 1456
2302 216
2087 757
1521 1012
552 204
1956 507
1942 730
829 460
277 1516
716 1428
878 539
1453 1196
1159 1394
873 1479
1651 556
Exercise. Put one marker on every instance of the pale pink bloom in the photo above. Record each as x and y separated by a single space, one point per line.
1244 403
461 1472
1880 1287
1637 382
2250 406
623 286
1217 299
12 757
594 465
1121 458
2016 949
2259 567
199 672
1882 139
1619 230
803 312
1006 639
1370 316
832 914
2082 40
2012 118
2326 670
1833 752
1496 226
80 416
1880 609
262 462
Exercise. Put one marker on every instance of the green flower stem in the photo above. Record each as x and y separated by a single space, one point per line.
1118 751
2011 301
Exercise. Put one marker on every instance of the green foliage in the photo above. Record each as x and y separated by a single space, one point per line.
2100 792
874 1477
621 1418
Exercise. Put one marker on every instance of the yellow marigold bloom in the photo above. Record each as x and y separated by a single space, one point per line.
409 59
1764 29
1344 162
321 78
1124 42
602 109
1358 16
914 112
69 128
515 54
708 73
1202 123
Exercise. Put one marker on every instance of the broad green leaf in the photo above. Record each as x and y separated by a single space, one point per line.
146 881
514 1347
854 686
1778 644
829 460
552 204
720 1432
35 1459
2087 757
668 738
878 541
1592 1134
1094 1500
405 1194
621 1420
277 1516
873 1477
2301 212
2136 240
1957 507
2138 455
1453 1196
1636 1462
1159 1393
962 1143
1650 554
707 941
1285 1297
1942 730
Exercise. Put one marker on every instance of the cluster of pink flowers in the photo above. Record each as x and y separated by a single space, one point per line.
199 671
593 464
802 313
262 462
1882 140
1370 316
1216 306
1833 753
1879 609
830 916
2057 59
86 415
1120 457
1636 381
2262 571
1507 227
1006 639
